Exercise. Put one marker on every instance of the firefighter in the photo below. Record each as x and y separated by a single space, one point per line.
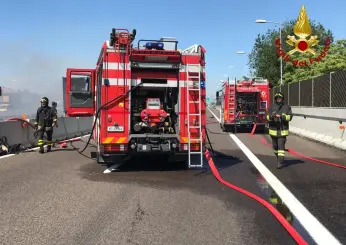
46 119
278 116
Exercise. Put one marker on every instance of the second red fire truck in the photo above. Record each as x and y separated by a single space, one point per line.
144 99
244 103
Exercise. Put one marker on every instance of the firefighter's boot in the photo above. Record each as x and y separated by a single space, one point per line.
41 149
49 148
280 162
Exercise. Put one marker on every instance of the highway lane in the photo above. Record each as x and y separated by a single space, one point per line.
320 188
64 198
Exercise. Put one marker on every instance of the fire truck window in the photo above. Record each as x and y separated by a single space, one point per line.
80 83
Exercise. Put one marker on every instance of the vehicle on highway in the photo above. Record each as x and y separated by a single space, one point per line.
145 99
244 103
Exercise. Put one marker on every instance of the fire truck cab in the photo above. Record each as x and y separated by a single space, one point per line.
244 103
144 99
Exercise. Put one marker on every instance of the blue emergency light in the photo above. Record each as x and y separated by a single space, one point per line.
158 46
202 84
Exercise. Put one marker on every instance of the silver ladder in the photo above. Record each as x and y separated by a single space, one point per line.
190 87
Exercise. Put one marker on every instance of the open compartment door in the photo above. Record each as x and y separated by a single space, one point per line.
80 92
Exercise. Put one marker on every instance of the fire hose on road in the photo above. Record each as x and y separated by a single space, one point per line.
293 152
7 149
287 226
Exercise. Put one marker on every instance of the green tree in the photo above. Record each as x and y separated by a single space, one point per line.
264 61
334 61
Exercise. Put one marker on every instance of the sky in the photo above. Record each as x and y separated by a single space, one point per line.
40 39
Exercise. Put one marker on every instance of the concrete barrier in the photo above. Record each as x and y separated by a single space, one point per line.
325 125
68 127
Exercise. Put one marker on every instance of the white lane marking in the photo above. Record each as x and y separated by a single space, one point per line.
36 148
316 230
9 155
112 168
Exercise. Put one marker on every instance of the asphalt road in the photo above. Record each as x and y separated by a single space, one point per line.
320 188
64 198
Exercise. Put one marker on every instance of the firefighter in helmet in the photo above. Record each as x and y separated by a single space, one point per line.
46 119
278 117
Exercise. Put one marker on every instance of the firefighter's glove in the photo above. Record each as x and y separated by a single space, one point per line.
53 124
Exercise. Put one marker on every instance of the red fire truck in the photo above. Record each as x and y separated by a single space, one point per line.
244 103
144 99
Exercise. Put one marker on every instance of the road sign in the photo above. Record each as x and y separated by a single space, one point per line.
208 100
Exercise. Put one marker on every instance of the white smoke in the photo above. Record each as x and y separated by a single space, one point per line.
22 68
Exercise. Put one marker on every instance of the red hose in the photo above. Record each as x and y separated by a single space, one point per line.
71 140
289 228
293 152
31 125
22 120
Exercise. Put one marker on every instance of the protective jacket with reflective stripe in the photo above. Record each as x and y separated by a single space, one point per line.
45 117
279 126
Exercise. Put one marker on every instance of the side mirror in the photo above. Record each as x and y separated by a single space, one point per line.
271 85
0 91
217 94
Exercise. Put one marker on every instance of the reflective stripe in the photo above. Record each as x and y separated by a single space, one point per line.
275 151
40 142
281 153
268 117
35 122
49 143
284 132
273 132
287 117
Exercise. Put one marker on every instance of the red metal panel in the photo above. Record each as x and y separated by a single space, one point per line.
76 111
117 112
112 73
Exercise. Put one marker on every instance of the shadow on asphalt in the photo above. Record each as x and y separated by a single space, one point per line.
291 162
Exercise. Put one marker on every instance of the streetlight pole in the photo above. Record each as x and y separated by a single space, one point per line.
243 53
281 66
280 30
